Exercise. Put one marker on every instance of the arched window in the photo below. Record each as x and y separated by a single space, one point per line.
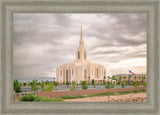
79 55
67 75
85 74
97 72
84 55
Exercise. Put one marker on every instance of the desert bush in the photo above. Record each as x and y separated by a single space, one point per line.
109 85
144 84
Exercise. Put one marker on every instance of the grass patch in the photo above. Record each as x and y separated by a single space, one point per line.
72 97
33 98
103 94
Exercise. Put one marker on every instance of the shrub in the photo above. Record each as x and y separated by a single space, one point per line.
136 84
17 86
118 83
109 85
31 97
67 83
55 83
73 86
123 84
93 82
145 84
84 86
24 84
47 87
34 85
28 97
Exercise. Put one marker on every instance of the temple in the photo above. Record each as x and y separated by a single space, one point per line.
81 69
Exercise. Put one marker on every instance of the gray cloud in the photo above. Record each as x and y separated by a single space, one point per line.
42 42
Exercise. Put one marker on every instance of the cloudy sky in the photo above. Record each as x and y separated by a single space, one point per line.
42 42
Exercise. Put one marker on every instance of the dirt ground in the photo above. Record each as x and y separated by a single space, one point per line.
86 92
135 97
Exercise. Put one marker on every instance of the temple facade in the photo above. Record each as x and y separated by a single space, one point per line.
81 69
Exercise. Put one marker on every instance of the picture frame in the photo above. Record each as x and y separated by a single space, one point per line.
9 7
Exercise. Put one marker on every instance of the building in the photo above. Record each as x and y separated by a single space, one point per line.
131 77
81 68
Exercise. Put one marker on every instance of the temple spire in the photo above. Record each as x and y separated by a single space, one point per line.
81 42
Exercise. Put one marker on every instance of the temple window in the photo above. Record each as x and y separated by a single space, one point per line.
72 72
97 72
85 74
84 55
79 55
66 75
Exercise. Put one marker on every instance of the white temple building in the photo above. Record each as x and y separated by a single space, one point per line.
81 69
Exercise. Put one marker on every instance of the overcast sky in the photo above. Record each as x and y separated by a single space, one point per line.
42 42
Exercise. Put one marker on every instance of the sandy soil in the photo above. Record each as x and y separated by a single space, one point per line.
136 97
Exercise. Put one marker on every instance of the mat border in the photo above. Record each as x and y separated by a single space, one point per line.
7 10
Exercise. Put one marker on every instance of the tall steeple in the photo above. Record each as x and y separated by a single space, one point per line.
81 42
81 53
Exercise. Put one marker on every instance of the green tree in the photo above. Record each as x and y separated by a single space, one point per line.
84 86
24 84
129 77
67 83
93 82
135 84
145 84
120 78
114 78
55 84
104 79
47 87
109 77
124 77
54 78
109 85
34 85
17 86
73 86
123 84
135 78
